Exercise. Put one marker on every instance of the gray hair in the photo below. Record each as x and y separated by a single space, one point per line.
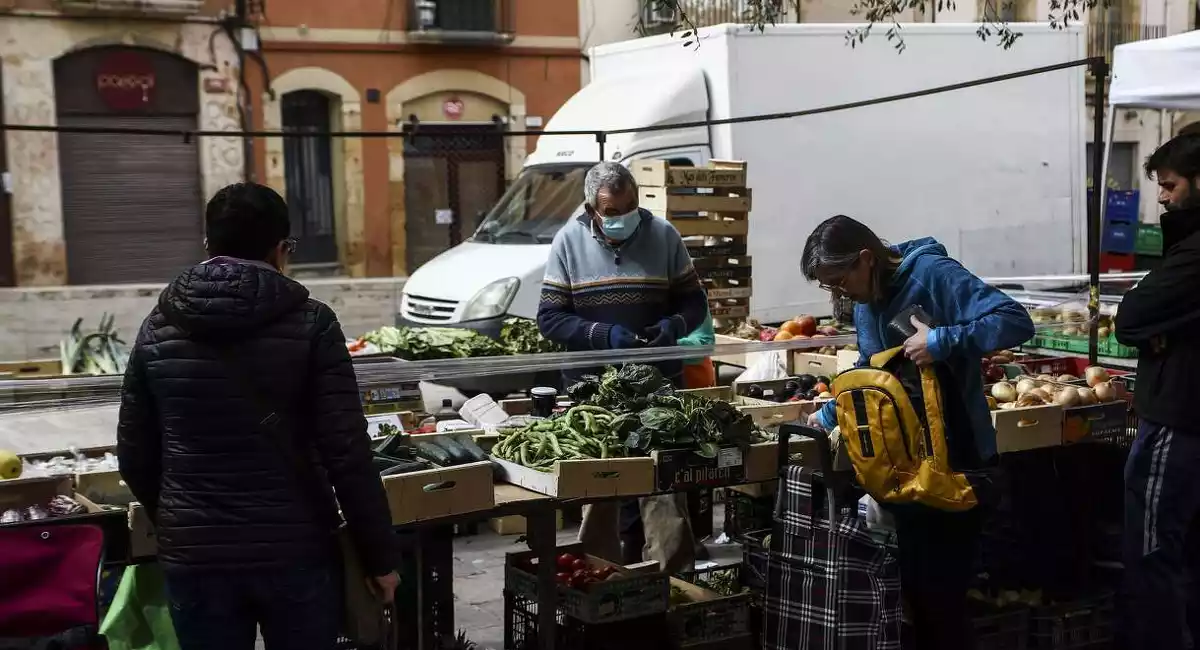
610 176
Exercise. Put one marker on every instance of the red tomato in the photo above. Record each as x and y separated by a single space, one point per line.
579 565
562 578
566 562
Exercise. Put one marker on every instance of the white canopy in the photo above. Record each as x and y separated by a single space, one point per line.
1161 73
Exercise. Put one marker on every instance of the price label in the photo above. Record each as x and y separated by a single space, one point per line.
729 457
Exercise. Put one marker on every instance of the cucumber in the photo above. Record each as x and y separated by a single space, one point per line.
474 451
433 453
404 468
457 452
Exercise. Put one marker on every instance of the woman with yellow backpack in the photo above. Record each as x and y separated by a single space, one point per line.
961 318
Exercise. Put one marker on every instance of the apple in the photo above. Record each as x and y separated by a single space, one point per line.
808 324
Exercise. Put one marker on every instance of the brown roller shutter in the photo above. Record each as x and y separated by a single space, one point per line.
132 204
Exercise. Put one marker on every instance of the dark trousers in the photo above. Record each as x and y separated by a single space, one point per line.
937 560
1162 539
298 608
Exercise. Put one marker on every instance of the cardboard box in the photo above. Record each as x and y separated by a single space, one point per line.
105 487
739 359
20 493
435 493
811 363
584 478
676 469
764 413
1020 429
143 542
765 488
516 525
762 460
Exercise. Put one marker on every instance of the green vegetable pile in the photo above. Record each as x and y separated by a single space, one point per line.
95 353
517 336
580 433
665 419
723 583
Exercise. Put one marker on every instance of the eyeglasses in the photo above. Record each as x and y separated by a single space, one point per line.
289 245
838 287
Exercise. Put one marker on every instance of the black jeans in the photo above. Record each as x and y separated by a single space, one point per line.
1161 608
298 608
937 552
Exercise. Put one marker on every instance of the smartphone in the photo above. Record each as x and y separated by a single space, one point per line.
902 323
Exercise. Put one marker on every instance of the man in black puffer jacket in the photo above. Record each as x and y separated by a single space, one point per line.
241 543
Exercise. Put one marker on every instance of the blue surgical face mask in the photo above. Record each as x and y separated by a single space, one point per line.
620 227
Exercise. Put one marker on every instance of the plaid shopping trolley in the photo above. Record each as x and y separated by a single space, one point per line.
830 584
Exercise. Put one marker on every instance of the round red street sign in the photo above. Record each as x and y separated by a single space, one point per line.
453 108
125 80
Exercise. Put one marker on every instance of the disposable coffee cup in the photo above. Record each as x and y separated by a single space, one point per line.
544 400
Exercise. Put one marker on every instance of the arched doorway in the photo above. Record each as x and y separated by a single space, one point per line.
308 173
132 204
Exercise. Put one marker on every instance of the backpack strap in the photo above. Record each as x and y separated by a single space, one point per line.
881 359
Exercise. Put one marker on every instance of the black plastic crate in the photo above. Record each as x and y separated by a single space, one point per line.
1083 623
521 630
1006 629
744 513
709 622
753 573
705 575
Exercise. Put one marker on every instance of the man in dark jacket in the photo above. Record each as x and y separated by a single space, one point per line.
1161 317
241 541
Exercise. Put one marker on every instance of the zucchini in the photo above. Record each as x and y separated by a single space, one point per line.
474 451
433 453
457 452
404 468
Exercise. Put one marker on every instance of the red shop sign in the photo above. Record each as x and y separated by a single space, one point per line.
125 81
453 108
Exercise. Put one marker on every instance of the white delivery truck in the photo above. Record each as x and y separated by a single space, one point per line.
995 172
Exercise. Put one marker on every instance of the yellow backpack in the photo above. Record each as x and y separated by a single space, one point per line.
893 427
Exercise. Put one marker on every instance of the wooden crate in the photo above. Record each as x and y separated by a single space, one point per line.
35 368
729 307
722 288
729 202
700 247
718 173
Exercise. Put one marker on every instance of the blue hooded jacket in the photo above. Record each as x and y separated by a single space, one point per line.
972 318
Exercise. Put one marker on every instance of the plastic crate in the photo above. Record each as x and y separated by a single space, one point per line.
1050 365
1083 623
744 513
1121 205
1119 237
754 560
1149 240
1002 629
710 621
634 595
1111 348
1116 262
1100 422
521 629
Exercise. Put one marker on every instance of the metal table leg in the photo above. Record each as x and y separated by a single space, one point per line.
540 533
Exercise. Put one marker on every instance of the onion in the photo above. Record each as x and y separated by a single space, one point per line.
1067 398
1071 331
1030 399
1087 397
1105 392
1007 405
1095 375
1042 394
992 404
1003 392
1067 378
1045 378
1103 332
1025 385
825 395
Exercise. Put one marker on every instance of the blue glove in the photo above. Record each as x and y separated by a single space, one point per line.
665 332
620 338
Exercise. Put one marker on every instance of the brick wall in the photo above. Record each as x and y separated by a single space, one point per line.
36 319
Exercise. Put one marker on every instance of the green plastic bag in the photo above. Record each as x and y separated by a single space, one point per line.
140 617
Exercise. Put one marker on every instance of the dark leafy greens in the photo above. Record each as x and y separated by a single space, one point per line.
657 417
517 336
521 336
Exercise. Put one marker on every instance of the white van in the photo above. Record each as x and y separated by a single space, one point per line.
995 172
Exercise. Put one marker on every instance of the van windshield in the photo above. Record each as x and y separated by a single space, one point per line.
537 204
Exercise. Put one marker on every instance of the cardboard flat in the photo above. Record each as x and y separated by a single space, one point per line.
584 478
434 493
1034 427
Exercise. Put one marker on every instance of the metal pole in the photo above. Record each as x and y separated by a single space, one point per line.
241 19
1099 68
601 137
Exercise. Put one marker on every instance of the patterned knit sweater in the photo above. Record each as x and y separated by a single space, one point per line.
590 286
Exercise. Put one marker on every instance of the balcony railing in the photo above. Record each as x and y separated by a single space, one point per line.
133 7
460 21
1104 36
706 13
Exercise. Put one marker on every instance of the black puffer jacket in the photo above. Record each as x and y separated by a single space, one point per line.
188 439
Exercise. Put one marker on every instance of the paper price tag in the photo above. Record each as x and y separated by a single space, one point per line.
729 457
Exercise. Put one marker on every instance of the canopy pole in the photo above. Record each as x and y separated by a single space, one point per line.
1099 69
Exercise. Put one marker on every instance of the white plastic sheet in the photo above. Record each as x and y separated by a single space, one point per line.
1159 73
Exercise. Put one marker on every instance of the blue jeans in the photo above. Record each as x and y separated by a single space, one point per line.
298 608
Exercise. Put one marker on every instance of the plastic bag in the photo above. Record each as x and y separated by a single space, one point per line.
764 366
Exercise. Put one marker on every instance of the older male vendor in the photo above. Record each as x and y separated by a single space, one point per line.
618 278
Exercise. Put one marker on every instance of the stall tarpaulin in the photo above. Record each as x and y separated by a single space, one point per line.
1161 73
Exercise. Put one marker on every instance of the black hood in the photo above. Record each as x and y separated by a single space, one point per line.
228 299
